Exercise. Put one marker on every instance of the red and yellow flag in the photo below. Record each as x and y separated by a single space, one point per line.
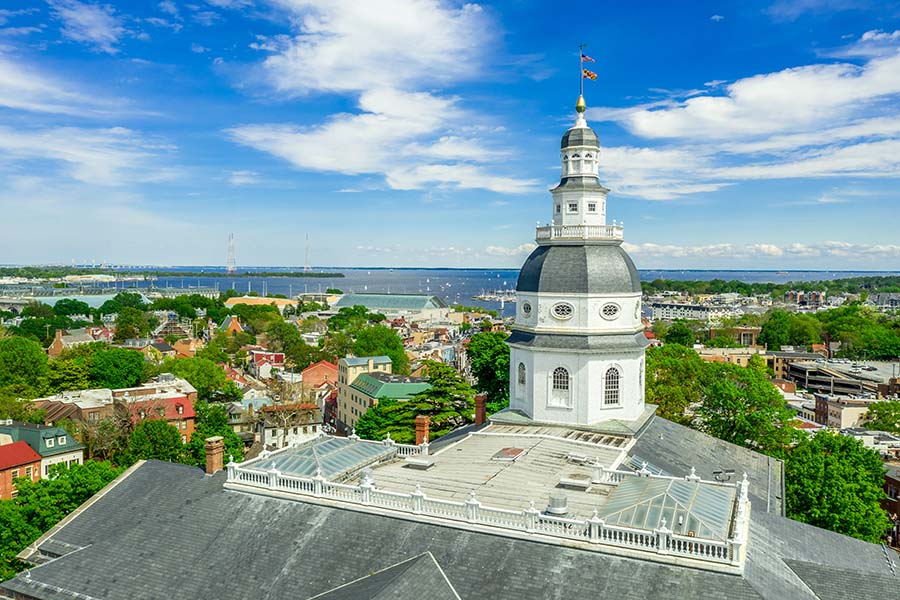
588 74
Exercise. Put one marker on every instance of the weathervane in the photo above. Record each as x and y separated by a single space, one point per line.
583 73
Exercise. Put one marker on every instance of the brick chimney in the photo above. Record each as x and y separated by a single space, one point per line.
215 454
480 409
422 424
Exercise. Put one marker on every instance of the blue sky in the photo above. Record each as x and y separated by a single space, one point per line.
425 133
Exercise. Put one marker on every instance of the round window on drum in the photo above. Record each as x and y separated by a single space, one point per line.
609 311
526 309
563 310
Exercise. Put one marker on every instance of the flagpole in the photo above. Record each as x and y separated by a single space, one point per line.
580 70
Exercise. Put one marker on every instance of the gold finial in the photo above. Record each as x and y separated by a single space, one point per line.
580 106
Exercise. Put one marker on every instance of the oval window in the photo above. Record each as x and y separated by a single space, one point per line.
609 311
563 310
526 309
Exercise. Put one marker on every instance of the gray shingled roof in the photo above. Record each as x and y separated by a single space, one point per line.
413 579
169 531
603 268
579 136
581 184
675 449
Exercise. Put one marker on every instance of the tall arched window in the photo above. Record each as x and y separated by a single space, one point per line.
559 394
611 393
521 377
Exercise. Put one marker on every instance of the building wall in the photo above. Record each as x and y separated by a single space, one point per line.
587 385
7 489
66 458
346 375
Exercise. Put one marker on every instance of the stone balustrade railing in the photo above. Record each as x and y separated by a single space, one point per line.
580 232
660 541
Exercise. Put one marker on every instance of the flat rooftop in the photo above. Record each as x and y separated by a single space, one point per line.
498 467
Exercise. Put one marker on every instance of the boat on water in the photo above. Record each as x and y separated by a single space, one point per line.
496 296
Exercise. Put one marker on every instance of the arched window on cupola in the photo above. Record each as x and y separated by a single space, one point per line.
521 375
611 391
561 389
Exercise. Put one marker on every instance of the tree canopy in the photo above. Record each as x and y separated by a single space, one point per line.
489 360
22 363
449 403
835 482
379 340
154 439
884 416
680 333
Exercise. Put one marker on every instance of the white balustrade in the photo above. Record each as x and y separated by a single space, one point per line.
580 232
594 530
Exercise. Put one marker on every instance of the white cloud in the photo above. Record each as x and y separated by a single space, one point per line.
7 14
207 18
836 249
24 87
198 48
717 18
815 121
243 178
515 251
94 24
386 53
169 7
114 156
230 4
345 45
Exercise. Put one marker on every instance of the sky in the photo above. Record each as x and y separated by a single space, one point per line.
424 133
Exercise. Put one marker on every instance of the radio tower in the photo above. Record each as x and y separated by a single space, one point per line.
229 262
306 267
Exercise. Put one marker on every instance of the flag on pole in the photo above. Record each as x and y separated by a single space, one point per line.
586 58
588 74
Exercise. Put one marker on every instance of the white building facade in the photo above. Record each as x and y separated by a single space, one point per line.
577 347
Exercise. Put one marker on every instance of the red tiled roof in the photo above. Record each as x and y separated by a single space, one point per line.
323 363
17 454
280 407
169 406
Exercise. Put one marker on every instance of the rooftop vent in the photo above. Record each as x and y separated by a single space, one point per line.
507 454
558 504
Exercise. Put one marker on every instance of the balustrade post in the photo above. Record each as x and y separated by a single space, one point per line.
597 473
662 537
472 506
387 441
273 477
693 476
644 472
318 480
366 486
596 526
353 435
423 448
531 517
231 468
417 499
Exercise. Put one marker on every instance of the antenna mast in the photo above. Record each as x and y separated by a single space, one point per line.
306 268
229 262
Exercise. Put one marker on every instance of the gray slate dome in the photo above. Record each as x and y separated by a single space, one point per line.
579 136
589 269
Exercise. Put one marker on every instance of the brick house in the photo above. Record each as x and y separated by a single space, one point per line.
17 459
172 407
318 373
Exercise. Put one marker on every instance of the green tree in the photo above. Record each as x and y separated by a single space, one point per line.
117 368
742 407
835 482
353 318
130 323
205 375
22 362
337 344
15 534
884 416
680 333
378 340
46 502
489 360
154 439
212 420
69 374
776 331
449 402
675 380
66 307
38 310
